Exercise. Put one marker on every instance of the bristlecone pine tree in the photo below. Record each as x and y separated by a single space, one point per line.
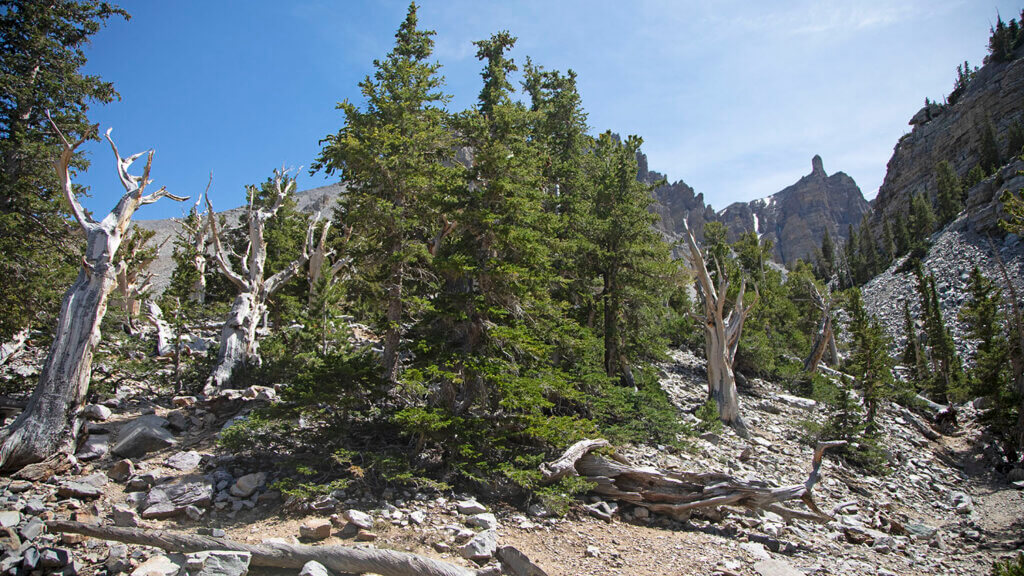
49 424
397 157
238 338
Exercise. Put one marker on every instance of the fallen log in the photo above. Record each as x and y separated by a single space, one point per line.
679 494
338 559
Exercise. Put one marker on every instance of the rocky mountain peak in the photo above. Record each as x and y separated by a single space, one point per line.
817 167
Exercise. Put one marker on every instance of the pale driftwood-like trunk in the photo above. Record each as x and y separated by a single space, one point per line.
195 229
824 338
321 269
48 426
133 280
238 337
721 335
165 344
338 559
679 494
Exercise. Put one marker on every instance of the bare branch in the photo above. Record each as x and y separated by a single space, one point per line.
62 165
218 250
161 193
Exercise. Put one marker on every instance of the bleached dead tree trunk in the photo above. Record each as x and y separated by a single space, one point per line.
321 269
195 229
49 425
721 335
134 280
165 340
238 342
824 339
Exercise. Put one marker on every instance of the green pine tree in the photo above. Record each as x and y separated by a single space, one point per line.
397 157
949 195
988 149
41 71
869 361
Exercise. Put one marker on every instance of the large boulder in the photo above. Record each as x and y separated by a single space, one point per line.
143 435
172 499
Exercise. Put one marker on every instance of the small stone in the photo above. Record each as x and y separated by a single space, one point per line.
265 393
517 563
418 517
122 470
30 559
34 507
366 536
640 512
54 558
159 565
124 516
79 490
18 486
442 547
177 420
755 549
10 518
538 511
315 529
248 484
194 513
592 552
358 518
70 539
772 567
171 499
184 461
117 559
314 568
485 521
140 482
470 507
481 547
32 529
96 412
95 447
217 563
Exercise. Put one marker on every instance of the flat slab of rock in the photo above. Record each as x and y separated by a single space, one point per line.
359 519
217 563
81 490
143 435
96 446
517 563
470 507
776 568
314 568
172 499
9 518
184 461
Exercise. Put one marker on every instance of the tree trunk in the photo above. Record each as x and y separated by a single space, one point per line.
393 332
198 292
721 336
611 327
238 342
165 341
49 426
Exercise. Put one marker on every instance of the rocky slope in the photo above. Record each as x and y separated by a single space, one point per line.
952 133
153 462
967 241
675 202
796 218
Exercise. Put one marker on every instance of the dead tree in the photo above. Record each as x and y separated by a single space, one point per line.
680 494
134 280
321 268
338 559
238 341
824 339
721 335
166 343
194 233
48 427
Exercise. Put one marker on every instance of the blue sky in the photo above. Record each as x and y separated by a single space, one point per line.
732 97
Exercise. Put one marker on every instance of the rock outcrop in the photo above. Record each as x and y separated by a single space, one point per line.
674 202
796 218
952 133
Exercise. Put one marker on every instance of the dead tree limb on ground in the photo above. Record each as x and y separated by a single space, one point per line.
48 427
679 494
721 335
338 559
238 342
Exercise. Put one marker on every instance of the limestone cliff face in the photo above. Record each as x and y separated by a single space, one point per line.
674 202
952 133
796 218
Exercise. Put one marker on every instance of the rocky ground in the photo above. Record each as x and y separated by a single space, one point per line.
940 510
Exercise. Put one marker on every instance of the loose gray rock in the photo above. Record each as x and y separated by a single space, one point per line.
34 507
248 484
10 518
121 470
32 529
469 507
485 521
184 461
160 565
481 547
54 558
217 563
359 519
30 559
774 567
172 499
96 412
124 516
96 446
117 559
517 563
79 490
315 529
314 568
143 435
